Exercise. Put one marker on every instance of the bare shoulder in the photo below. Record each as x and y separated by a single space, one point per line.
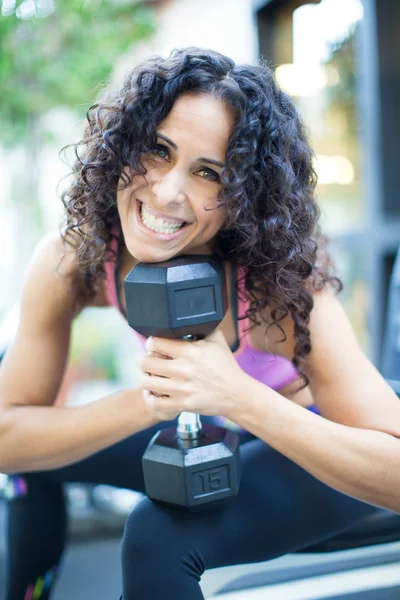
48 277
56 255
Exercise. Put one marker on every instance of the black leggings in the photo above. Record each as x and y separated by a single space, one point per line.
280 508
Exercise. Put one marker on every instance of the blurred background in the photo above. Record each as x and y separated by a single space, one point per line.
338 59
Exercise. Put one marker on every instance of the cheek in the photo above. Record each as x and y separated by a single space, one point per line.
211 225
125 195
139 182
123 198
217 219
136 182
207 207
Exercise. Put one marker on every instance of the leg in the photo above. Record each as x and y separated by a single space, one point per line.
280 508
36 533
36 515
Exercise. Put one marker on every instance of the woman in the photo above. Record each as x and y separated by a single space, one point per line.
196 155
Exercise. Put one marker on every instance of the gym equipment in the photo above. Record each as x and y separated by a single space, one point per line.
391 347
193 465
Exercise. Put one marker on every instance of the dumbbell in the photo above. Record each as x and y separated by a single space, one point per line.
195 464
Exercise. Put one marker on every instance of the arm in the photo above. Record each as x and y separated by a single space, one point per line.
35 435
37 438
355 447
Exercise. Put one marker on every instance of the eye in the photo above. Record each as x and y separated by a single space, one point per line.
161 150
213 176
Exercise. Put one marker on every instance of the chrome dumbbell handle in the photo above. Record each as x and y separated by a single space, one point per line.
189 424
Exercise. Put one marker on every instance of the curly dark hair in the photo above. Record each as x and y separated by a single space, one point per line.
267 186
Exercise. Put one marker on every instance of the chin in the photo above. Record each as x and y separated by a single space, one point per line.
150 255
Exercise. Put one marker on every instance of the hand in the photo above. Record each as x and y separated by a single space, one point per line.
161 414
201 377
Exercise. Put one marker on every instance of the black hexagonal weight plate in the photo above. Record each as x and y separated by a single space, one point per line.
189 474
182 296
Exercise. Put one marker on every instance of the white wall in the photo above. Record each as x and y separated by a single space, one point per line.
223 25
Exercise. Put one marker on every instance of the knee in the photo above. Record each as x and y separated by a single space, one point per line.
146 529
157 534
160 557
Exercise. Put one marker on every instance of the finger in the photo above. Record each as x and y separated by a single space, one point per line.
159 355
158 385
159 367
168 347
163 408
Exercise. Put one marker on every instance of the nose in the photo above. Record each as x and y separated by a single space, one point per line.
169 189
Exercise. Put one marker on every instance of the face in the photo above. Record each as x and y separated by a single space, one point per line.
163 215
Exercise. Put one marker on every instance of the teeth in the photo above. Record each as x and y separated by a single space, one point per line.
157 225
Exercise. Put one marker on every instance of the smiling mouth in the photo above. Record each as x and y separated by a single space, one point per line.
152 214
160 226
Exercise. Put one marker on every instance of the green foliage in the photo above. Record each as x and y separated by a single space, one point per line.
62 58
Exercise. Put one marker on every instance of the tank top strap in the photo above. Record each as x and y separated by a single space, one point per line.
109 267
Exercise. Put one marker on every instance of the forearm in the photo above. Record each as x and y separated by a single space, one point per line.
361 463
34 438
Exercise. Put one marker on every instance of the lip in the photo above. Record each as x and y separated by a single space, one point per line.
154 234
166 218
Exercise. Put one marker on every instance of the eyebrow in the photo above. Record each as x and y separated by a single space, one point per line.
211 161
